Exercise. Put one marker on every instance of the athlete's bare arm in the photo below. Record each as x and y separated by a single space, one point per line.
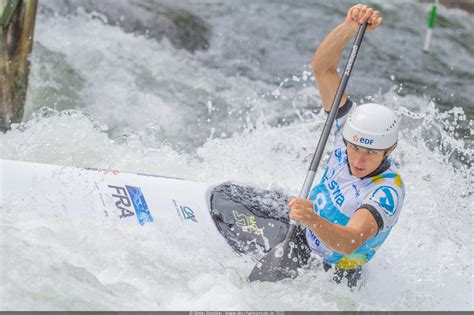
362 225
342 239
328 54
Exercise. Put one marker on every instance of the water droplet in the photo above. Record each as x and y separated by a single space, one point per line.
278 252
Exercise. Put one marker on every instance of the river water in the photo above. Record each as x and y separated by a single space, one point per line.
245 110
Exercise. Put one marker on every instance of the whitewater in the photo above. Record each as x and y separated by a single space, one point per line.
100 97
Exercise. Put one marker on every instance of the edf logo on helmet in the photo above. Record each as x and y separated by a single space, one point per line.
362 140
387 198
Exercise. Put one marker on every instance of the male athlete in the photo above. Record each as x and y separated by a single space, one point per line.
352 210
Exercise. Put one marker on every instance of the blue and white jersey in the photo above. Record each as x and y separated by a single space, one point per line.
339 195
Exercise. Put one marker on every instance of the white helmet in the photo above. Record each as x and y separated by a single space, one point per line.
372 126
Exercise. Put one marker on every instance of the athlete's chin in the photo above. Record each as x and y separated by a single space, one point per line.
358 171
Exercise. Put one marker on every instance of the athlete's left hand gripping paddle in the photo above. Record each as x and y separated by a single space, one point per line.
282 261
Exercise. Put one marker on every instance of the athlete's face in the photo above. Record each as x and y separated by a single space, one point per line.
364 161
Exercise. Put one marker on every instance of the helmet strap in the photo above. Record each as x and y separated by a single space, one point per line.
384 165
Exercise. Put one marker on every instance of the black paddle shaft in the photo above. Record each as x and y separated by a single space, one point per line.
333 113
282 261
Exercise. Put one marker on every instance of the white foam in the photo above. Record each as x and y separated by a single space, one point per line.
53 263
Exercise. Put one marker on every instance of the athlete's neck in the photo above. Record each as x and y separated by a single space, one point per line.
384 165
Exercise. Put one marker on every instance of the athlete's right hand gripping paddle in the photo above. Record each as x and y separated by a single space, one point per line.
282 261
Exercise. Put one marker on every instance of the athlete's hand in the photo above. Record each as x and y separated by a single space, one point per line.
301 210
359 14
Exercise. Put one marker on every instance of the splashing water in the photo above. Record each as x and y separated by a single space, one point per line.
142 106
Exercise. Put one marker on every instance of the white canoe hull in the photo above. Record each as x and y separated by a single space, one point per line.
133 199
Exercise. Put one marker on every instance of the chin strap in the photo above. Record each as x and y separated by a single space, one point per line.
379 170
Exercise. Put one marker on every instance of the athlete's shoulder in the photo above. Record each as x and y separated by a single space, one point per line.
389 177
339 156
387 197
384 197
342 115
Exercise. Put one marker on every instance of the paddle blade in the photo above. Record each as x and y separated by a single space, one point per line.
278 264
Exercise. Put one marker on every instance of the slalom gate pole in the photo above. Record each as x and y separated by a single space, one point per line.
429 31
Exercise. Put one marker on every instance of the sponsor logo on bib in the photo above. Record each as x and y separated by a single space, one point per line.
333 187
356 191
336 192
338 154
387 198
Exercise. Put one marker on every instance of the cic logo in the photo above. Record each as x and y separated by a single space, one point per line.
185 213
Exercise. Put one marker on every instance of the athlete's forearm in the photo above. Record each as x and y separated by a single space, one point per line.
327 56
341 239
